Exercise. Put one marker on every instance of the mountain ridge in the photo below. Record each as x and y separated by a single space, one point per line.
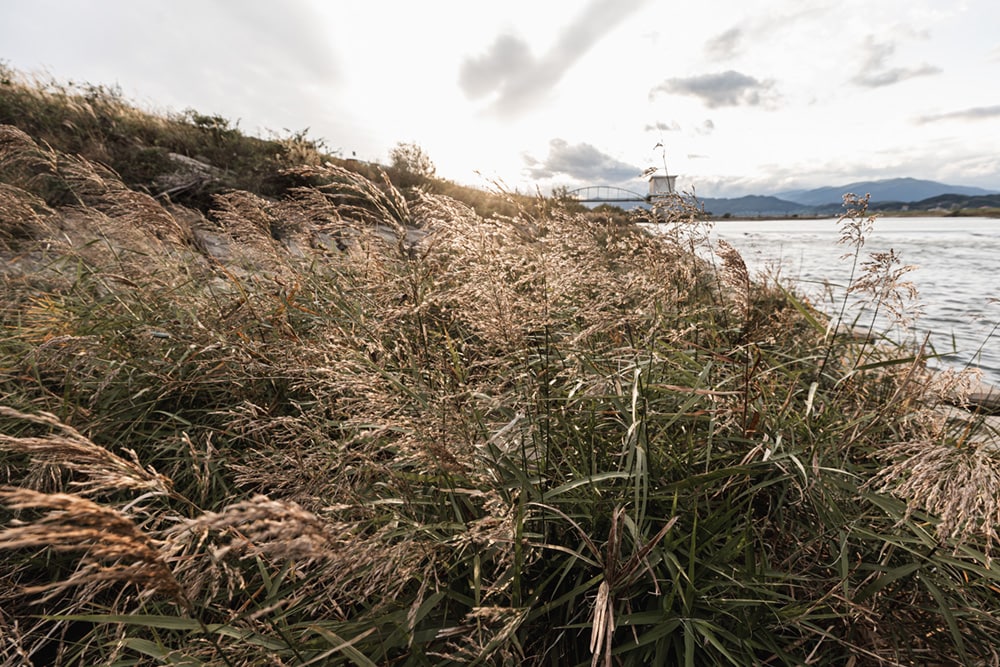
897 194
904 189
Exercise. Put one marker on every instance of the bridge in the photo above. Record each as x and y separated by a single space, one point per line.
606 194
660 187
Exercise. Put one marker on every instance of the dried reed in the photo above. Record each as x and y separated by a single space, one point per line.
101 470
400 431
114 548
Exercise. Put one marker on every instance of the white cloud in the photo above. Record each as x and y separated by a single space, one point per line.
875 72
660 126
974 113
520 80
722 89
725 45
580 162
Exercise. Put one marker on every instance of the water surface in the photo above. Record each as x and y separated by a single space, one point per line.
957 274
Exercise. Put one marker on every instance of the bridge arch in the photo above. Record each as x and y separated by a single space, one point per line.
605 194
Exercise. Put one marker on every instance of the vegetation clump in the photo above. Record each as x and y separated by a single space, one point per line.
343 424
189 157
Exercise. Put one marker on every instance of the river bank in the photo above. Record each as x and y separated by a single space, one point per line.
951 261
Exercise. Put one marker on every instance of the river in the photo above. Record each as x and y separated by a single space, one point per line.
957 275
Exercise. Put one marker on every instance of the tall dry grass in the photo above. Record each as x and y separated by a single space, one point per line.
188 157
345 426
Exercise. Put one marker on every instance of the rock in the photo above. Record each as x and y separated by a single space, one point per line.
191 175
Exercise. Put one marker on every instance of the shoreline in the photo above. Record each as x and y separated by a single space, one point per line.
962 213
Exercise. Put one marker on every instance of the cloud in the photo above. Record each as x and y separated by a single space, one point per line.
894 75
582 162
754 28
724 89
725 45
245 45
505 59
294 37
660 126
706 127
875 73
227 60
975 113
519 80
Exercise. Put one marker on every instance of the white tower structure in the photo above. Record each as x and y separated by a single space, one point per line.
661 186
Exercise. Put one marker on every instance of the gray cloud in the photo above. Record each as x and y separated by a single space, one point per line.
518 79
254 44
975 113
212 54
755 27
875 73
893 75
254 39
725 45
505 59
660 126
582 162
724 89
706 127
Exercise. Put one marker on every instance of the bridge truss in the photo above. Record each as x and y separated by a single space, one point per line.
606 194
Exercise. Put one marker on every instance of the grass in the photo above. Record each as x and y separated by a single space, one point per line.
347 424
152 152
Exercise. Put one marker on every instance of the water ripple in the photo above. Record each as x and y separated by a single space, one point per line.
957 276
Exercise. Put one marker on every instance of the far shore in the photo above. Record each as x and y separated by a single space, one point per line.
960 213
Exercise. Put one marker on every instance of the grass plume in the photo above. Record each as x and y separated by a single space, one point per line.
113 547
98 470
348 421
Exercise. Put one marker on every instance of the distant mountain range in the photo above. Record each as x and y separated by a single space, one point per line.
893 189
890 194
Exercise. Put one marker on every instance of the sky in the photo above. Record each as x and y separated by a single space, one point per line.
735 97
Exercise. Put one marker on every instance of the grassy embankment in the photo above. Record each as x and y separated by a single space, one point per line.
264 428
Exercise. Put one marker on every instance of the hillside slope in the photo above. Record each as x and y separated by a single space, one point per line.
190 157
